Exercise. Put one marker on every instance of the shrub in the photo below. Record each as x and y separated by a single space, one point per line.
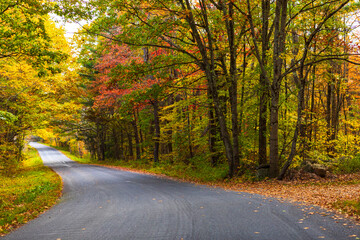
348 165
9 159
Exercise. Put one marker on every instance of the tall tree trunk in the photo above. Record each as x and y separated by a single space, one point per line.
137 139
130 142
229 22
212 136
122 144
329 97
279 48
116 144
312 107
169 144
189 131
100 143
241 135
264 88
155 104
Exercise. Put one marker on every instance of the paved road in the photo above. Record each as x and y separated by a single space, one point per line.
103 203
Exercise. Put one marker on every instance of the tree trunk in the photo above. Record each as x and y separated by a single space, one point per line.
279 48
229 22
122 144
274 135
212 137
157 131
137 139
116 144
312 107
263 106
264 88
130 142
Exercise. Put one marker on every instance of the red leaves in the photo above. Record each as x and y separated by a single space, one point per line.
112 84
116 55
158 52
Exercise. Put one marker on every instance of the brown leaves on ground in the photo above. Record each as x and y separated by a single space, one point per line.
322 192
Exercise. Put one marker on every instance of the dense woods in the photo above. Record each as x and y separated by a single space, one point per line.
244 85
35 77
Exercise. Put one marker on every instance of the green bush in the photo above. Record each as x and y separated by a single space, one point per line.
9 159
348 165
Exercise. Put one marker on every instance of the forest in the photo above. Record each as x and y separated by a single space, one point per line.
226 88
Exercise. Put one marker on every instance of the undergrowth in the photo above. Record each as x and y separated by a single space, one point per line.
26 194
348 165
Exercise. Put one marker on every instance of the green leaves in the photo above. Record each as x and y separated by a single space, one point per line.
7 117
23 32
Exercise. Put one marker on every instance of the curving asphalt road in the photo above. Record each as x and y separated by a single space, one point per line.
102 203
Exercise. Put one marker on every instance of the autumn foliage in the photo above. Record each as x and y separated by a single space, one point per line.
175 82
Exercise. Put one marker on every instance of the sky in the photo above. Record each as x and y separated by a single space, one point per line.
70 27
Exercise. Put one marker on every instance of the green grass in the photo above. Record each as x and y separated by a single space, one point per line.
33 189
348 165
351 207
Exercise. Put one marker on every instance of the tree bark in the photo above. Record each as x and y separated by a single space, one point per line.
279 48
264 88
157 130
130 142
136 134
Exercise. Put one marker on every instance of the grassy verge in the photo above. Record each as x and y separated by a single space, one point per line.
27 194
349 207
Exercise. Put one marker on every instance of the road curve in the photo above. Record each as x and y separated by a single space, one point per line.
102 203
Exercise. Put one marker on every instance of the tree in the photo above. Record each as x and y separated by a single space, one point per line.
28 92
